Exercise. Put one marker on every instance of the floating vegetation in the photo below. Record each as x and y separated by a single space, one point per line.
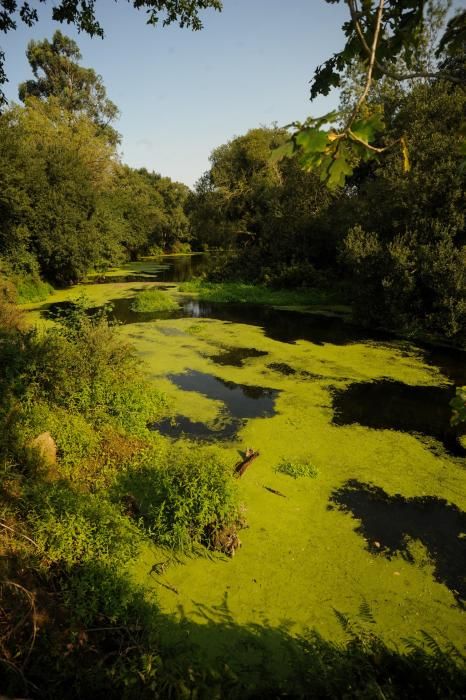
297 469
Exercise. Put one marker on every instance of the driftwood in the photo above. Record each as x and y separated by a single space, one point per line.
249 457
277 493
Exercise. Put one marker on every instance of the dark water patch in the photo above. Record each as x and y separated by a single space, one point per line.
286 326
236 357
282 368
118 279
392 405
288 371
241 400
180 426
389 522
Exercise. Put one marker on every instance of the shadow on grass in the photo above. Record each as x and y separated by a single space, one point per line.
50 650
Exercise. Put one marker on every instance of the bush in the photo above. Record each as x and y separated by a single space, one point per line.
185 496
408 285
74 529
153 300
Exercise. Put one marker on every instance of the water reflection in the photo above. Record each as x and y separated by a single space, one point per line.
240 401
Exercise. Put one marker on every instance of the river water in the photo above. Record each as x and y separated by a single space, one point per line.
384 520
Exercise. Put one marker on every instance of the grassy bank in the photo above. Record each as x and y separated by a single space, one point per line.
239 292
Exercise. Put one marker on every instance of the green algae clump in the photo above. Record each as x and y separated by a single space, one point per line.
153 300
297 469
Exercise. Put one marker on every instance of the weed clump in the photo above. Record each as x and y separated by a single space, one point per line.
153 300
185 496
297 469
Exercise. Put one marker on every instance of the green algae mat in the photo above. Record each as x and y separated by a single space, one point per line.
380 520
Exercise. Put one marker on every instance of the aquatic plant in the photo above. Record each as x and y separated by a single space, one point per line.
153 300
297 469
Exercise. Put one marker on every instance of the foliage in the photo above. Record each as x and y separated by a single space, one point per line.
66 202
248 202
185 496
153 300
380 35
57 74
297 469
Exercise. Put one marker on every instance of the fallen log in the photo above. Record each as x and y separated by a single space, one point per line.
249 457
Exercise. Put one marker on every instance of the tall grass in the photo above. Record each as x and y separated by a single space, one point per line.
239 292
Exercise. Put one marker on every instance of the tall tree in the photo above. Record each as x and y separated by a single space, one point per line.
58 74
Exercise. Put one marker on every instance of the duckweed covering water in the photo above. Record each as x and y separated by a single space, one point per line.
312 552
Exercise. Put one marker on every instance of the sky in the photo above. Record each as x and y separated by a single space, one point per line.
183 93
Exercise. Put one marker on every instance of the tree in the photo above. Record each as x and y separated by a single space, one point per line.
82 14
380 35
58 74
53 165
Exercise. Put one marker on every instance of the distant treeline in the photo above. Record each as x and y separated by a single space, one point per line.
390 243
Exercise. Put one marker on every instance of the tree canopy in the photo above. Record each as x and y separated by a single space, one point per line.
58 74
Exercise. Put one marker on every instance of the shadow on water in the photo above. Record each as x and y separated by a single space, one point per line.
391 405
391 521
240 401
236 357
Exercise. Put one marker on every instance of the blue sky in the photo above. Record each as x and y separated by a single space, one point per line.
183 93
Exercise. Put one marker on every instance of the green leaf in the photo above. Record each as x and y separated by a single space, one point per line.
366 129
312 140
284 151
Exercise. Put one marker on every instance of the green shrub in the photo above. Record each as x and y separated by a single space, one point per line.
153 300
297 469
76 440
31 289
75 528
81 365
184 496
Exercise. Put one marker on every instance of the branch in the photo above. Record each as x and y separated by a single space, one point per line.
400 77
372 61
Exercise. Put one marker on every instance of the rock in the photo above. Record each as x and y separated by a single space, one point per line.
46 447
